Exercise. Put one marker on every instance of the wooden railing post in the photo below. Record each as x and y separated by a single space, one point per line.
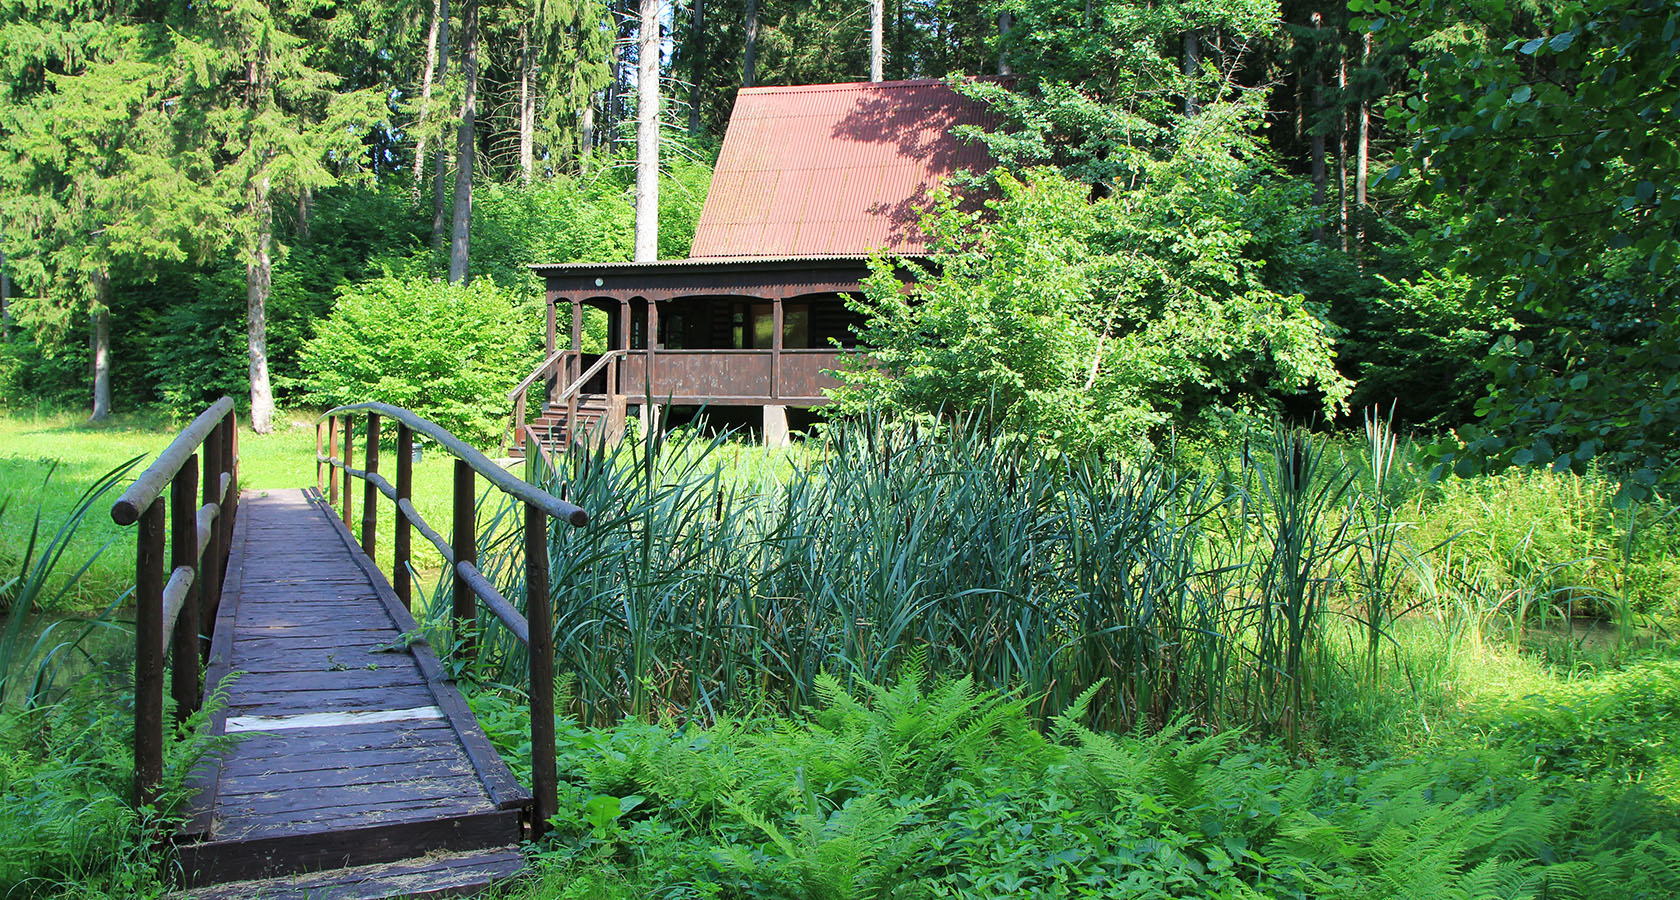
320 476
404 532
332 453
539 616
210 564
349 454
230 465
370 492
465 548
183 552
148 654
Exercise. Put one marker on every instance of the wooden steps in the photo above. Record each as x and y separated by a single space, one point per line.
351 751
592 416
434 875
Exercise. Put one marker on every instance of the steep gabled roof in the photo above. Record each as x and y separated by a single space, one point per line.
835 169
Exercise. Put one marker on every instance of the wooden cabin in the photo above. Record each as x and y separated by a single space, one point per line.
811 180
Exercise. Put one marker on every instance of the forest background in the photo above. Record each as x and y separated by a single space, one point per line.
1207 210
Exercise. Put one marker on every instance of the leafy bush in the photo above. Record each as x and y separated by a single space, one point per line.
449 353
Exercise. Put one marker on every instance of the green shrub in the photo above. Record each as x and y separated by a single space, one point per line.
449 353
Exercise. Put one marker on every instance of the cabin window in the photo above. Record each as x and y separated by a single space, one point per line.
738 338
796 325
764 326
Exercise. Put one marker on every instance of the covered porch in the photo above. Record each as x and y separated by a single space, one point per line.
753 332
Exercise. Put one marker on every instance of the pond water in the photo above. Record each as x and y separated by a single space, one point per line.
64 649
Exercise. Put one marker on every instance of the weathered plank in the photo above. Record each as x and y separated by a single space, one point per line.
351 746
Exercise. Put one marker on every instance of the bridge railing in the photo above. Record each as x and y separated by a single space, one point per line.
173 617
535 629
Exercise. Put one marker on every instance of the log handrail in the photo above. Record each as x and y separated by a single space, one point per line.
536 373
535 629
173 617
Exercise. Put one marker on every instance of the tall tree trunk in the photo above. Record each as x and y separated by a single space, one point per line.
749 53
1006 21
1192 69
101 314
420 133
1319 176
1362 165
647 134
465 146
611 106
527 104
586 128
259 275
899 56
877 28
5 291
305 208
440 169
697 67
1342 154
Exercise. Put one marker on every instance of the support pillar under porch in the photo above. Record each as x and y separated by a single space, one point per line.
775 426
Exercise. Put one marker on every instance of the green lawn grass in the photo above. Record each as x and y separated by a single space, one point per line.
77 452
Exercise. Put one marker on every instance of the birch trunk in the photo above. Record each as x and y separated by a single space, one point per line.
527 105
1341 156
258 279
101 314
420 134
877 28
1362 163
440 169
647 134
466 141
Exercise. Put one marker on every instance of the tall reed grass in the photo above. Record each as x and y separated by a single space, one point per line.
702 587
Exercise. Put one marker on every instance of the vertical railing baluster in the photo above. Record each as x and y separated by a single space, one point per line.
230 459
183 552
320 476
465 548
403 534
209 565
332 453
370 492
349 454
148 654
539 616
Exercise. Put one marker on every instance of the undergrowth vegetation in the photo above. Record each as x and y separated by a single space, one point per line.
944 790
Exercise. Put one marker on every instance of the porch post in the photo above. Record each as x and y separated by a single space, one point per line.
652 339
776 348
553 298
574 368
623 341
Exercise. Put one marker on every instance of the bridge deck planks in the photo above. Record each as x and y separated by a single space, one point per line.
313 650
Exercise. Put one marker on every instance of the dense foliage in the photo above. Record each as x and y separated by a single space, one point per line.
447 352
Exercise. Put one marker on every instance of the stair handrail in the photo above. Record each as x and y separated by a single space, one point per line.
536 373
535 629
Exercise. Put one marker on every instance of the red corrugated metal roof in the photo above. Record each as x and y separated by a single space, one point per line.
835 169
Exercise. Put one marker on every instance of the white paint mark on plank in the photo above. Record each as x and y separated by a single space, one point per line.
327 720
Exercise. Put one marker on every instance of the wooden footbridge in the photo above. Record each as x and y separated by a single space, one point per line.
343 763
